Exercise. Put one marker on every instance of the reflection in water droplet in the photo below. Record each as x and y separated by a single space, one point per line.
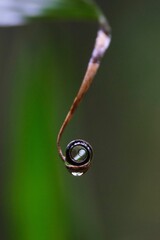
77 174
78 153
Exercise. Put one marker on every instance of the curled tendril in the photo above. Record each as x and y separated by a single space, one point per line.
79 152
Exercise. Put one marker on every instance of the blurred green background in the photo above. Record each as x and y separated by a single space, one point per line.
41 67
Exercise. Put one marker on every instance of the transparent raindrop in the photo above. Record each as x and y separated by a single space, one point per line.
77 174
78 157
79 153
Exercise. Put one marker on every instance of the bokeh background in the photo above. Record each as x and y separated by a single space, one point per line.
41 67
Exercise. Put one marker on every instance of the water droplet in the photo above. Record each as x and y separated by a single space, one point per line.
77 174
78 157
78 171
79 152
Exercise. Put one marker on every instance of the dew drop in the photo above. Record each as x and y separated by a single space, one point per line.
78 157
79 154
77 174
